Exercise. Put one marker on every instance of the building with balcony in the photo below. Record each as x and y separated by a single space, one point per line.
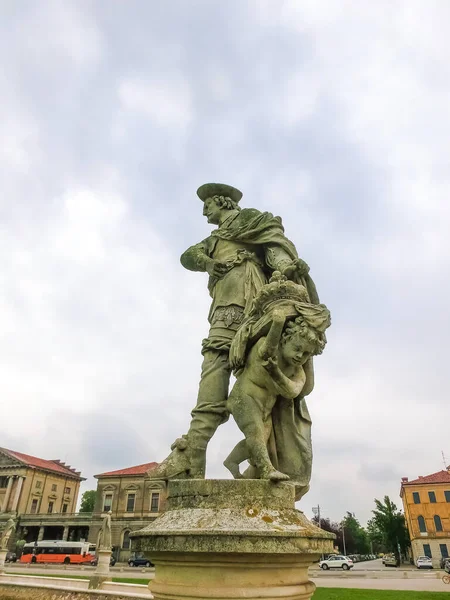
40 493
134 500
426 503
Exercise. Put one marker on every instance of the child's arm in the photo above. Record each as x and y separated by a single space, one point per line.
288 388
272 340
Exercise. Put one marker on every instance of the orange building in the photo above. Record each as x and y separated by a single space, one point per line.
426 503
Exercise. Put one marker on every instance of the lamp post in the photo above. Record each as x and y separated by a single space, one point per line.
316 512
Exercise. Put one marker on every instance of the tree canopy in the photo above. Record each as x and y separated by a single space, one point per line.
388 527
87 501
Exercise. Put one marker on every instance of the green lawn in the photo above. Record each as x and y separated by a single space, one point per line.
354 594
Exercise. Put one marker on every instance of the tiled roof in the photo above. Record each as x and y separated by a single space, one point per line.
56 466
137 470
439 477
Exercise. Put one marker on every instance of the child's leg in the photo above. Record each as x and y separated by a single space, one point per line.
236 457
248 417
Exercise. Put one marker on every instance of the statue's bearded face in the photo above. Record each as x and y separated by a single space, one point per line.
212 211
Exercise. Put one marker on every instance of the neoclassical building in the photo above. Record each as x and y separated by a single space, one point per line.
42 494
426 502
134 501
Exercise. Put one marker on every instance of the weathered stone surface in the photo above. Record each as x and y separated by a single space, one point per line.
231 539
18 592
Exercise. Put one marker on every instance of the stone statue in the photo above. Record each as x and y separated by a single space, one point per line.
10 527
104 540
239 256
272 356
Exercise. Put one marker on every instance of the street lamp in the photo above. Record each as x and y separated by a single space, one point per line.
316 512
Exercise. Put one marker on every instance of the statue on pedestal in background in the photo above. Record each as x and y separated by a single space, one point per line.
104 540
8 530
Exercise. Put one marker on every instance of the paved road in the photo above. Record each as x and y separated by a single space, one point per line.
366 575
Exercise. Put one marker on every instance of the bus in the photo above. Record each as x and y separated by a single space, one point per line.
58 551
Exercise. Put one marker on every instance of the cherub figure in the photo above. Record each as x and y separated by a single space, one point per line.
275 367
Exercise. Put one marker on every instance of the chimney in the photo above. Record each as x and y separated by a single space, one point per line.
420 477
448 469
404 480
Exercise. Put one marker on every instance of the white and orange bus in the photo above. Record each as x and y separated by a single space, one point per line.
58 551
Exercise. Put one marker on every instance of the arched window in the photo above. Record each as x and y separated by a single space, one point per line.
422 525
126 542
437 523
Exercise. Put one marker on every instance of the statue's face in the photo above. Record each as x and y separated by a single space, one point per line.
295 350
211 211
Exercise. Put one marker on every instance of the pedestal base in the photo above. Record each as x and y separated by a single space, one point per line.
3 554
226 539
101 573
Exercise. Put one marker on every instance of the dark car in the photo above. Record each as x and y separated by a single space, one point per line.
139 560
10 557
94 561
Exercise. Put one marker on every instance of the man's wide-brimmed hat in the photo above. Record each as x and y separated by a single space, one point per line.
208 190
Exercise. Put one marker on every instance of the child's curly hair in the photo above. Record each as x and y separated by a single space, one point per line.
301 328
225 202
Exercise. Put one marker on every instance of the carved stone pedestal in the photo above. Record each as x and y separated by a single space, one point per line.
225 539
101 573
3 554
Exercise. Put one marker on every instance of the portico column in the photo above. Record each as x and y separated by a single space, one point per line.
7 494
17 494
41 534
65 536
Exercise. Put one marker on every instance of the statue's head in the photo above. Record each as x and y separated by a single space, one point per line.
300 340
218 198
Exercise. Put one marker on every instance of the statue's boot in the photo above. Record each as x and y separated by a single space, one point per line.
175 465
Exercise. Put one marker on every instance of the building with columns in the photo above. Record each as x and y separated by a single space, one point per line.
42 494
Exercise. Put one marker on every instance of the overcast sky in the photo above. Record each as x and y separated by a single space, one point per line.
334 115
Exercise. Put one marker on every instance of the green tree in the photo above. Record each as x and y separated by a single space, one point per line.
356 539
390 522
88 501
376 537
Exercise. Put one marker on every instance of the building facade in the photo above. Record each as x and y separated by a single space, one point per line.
134 501
41 494
426 503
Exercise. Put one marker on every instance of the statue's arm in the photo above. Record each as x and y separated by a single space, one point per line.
277 258
288 388
309 372
270 346
195 258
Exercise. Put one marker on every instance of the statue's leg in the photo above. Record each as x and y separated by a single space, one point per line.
210 410
236 457
188 456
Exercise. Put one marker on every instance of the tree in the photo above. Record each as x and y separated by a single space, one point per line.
88 501
390 523
356 540
376 537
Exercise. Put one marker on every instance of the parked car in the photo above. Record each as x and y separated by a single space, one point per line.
336 561
391 561
94 561
11 557
139 560
424 562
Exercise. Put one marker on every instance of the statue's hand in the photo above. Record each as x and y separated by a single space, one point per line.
215 268
271 364
298 268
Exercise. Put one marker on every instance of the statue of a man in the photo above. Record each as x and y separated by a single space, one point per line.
10 527
104 540
240 257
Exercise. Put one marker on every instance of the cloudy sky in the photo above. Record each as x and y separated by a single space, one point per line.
333 114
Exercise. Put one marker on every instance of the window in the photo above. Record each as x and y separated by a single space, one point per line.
131 499
38 484
107 502
154 502
4 482
447 495
34 505
427 550
416 497
54 487
50 507
67 490
444 550
126 543
64 508
432 497
422 525
437 523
